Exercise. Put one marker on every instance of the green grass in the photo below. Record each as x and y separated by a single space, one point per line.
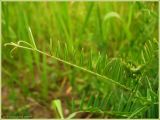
80 59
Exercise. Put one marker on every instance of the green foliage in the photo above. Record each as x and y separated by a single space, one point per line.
103 54
56 106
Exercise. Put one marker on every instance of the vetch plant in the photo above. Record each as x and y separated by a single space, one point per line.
80 59
57 56
115 71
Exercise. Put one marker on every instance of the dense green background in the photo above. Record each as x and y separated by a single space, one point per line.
30 81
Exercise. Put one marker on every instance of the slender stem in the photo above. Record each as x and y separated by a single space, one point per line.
76 66
84 69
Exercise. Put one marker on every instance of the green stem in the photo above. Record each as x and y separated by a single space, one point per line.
66 62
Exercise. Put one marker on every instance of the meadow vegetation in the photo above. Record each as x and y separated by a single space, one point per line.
79 59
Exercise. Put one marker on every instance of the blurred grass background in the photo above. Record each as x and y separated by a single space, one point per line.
31 81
